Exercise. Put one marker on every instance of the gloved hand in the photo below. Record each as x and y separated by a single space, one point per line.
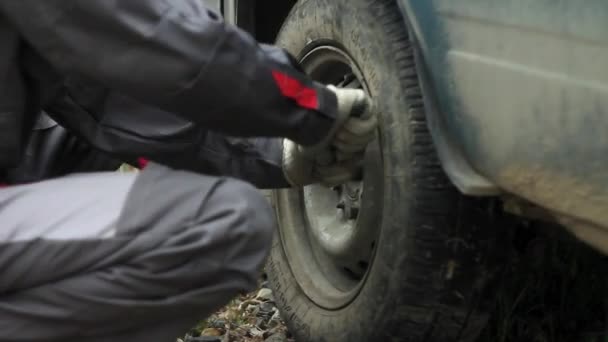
337 158
359 127
301 168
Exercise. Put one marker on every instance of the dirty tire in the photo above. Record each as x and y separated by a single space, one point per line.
430 265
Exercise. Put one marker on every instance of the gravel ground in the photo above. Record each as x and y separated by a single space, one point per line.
248 318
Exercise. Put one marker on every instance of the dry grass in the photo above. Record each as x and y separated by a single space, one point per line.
554 290
245 319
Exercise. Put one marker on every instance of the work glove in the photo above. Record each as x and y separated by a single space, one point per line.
301 168
337 158
359 124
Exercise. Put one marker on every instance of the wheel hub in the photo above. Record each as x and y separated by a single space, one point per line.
349 198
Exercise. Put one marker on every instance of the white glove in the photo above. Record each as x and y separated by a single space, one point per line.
302 169
337 158
359 127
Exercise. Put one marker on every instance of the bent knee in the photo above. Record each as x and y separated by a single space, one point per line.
196 228
248 226
250 210
247 215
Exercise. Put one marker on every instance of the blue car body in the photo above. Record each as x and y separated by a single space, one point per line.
519 97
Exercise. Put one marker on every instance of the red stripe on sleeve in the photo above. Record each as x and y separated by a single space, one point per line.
142 163
291 88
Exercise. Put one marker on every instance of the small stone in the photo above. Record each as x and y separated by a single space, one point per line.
212 332
265 294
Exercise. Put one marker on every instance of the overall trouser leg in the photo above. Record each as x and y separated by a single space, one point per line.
125 257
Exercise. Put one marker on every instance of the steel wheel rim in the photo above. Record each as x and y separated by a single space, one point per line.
333 231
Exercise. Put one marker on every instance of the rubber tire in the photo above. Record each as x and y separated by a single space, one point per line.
427 277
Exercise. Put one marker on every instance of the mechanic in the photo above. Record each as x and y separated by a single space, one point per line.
87 254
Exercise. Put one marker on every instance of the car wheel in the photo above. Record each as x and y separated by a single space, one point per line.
399 255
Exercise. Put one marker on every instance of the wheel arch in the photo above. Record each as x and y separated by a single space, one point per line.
453 159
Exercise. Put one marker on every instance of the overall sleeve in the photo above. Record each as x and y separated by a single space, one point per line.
179 56
127 130
52 151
